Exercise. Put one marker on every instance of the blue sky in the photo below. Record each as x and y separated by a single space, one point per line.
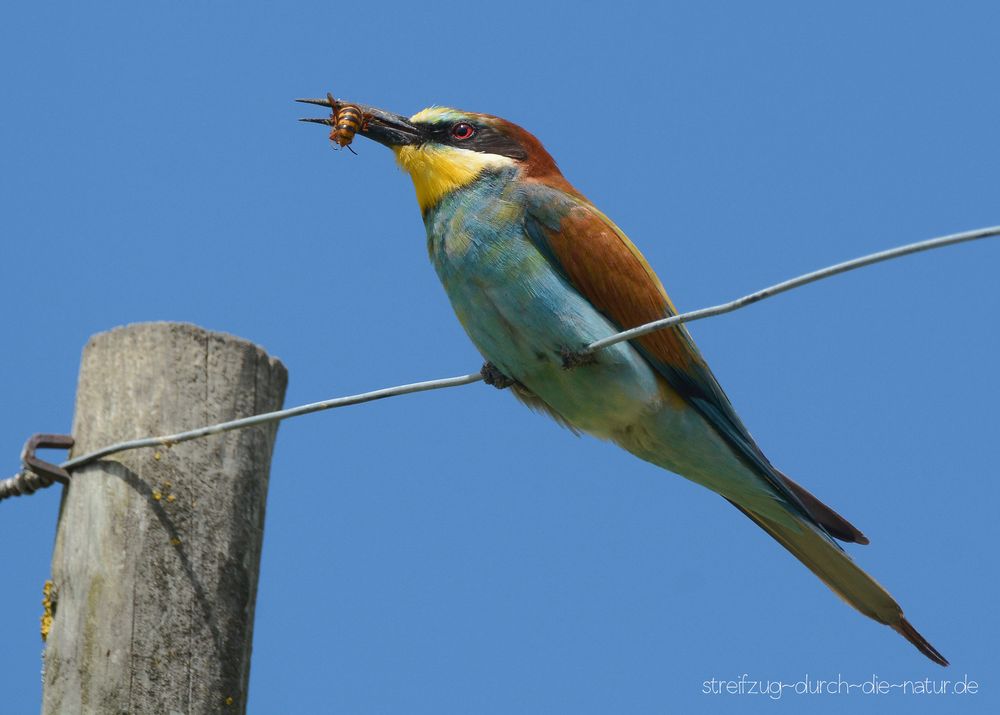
452 552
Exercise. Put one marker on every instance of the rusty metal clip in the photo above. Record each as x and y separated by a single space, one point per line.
46 470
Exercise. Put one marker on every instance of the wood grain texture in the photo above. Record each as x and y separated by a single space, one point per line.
157 551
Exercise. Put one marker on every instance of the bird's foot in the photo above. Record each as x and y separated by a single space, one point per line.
493 376
573 358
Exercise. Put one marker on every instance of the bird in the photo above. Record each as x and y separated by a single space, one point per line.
535 272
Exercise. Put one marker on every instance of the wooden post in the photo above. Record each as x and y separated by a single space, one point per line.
157 551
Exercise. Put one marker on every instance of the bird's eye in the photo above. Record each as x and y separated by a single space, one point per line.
462 131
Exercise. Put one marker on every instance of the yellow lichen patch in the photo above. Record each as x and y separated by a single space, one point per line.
156 456
48 604
157 495
171 497
229 700
175 541
167 485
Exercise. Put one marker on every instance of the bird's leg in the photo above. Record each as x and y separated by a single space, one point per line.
575 358
492 376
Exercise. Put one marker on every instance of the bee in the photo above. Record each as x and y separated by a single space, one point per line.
346 120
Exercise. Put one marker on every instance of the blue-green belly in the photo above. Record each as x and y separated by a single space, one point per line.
524 317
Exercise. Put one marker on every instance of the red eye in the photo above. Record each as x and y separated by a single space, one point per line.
462 131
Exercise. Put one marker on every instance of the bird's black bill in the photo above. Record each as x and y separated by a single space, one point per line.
328 121
384 127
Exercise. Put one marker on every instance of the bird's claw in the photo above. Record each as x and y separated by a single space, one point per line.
573 358
493 376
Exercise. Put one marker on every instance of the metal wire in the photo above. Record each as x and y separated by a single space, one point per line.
26 482
795 283
172 439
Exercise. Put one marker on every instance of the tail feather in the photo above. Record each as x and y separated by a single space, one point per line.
844 577
836 526
905 629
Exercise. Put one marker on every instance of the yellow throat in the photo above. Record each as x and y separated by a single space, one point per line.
437 169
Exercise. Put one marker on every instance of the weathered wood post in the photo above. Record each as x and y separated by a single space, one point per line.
157 551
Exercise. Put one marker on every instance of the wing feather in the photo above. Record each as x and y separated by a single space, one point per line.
603 265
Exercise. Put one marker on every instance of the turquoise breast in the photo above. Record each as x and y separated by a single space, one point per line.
523 316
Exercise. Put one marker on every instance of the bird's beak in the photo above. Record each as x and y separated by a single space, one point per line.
384 127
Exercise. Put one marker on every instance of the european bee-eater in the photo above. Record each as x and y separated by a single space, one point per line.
535 272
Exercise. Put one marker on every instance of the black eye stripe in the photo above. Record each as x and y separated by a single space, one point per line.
485 139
